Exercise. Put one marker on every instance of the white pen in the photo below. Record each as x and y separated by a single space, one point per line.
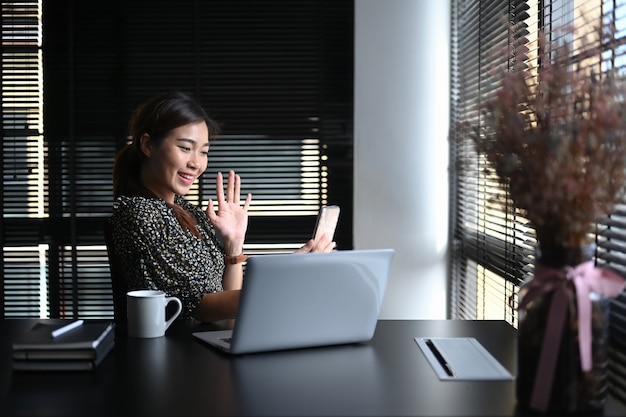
65 329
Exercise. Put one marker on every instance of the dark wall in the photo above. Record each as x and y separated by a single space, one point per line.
262 68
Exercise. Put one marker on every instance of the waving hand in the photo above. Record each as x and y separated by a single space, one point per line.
231 218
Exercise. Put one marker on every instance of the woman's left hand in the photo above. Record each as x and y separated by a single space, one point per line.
323 244
231 218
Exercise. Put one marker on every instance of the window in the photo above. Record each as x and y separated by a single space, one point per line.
277 76
492 246
24 191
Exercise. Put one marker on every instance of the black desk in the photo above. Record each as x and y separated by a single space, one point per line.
177 375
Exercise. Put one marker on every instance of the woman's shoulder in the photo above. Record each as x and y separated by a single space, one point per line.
139 209
125 204
185 204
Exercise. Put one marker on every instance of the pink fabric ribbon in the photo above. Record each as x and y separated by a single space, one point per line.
586 278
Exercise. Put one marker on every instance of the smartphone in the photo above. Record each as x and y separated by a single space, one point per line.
326 222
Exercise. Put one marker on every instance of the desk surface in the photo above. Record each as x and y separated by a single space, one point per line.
178 375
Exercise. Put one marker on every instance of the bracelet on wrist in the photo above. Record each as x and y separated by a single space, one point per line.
233 260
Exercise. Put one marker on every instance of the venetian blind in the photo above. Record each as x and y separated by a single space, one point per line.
611 237
488 238
492 246
23 202
277 76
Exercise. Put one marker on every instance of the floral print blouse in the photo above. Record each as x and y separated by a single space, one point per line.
157 253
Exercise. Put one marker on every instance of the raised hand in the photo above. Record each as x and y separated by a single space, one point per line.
231 218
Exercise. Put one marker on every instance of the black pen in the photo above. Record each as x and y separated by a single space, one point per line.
65 329
442 361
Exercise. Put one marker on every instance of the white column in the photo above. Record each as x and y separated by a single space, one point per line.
401 122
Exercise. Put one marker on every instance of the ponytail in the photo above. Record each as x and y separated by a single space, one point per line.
126 169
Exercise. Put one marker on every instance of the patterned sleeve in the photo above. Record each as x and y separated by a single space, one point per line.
158 253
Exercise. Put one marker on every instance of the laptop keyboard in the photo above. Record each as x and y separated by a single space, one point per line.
226 339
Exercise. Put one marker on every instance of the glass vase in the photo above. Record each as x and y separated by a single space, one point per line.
572 390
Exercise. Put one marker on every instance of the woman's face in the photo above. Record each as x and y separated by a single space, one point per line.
174 166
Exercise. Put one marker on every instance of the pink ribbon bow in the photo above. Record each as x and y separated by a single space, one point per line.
586 278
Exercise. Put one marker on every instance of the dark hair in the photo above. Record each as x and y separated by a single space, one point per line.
157 117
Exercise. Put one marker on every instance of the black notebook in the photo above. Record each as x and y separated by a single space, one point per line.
63 364
83 347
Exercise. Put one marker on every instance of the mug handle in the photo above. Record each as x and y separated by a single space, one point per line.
179 309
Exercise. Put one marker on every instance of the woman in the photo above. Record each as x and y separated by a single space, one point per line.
162 240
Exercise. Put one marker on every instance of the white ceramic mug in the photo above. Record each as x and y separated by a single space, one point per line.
146 313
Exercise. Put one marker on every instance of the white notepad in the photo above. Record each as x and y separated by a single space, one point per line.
461 358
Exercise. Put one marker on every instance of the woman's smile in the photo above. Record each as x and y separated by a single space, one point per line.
187 179
177 162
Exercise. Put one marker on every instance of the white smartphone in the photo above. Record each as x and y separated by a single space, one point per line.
326 222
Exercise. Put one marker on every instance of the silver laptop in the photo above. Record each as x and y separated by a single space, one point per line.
291 301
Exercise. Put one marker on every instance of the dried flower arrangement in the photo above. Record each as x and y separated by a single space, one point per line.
556 137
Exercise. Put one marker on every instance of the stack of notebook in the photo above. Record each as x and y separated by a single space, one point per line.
63 345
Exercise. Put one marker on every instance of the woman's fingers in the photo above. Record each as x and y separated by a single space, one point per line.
219 187
233 188
246 204
324 244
